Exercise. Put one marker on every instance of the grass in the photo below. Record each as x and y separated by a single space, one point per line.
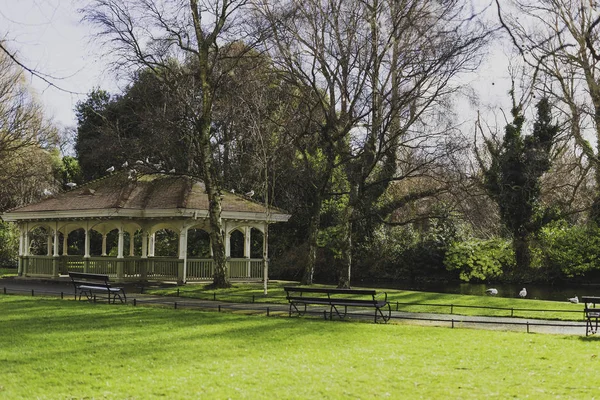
403 300
56 349
6 272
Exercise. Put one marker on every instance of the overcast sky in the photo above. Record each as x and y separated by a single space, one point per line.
49 36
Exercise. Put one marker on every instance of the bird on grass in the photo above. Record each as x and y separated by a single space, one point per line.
71 184
523 293
574 300
47 192
492 291
111 169
250 193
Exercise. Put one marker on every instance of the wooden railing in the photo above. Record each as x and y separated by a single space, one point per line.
199 269
39 265
137 268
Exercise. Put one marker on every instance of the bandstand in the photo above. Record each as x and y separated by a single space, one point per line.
135 211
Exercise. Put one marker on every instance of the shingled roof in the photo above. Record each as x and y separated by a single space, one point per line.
146 193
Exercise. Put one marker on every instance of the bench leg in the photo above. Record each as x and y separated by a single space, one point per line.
339 314
384 317
294 306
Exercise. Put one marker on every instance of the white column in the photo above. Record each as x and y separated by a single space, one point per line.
49 244
65 248
87 241
183 243
151 245
56 240
144 244
104 244
121 243
21 241
227 244
131 243
247 242
183 234
26 242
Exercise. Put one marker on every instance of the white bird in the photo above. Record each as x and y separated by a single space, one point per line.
250 193
140 162
574 300
47 192
492 291
71 184
172 171
232 191
111 169
125 165
523 293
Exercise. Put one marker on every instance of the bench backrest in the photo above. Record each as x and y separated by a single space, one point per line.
358 292
80 277
593 300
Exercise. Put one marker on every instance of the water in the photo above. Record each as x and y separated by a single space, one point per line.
538 292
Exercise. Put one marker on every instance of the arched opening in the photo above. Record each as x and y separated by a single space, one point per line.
38 241
236 244
76 242
166 243
198 243
256 243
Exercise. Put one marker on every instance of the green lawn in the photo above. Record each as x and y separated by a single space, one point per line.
404 300
58 349
8 272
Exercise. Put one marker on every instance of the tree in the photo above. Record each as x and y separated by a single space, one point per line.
513 176
26 140
557 39
168 37
372 72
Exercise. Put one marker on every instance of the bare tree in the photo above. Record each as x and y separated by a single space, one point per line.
25 136
375 70
557 39
180 41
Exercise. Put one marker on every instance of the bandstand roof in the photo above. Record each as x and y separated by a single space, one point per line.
147 196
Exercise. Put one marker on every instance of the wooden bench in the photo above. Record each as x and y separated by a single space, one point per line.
591 314
338 301
91 285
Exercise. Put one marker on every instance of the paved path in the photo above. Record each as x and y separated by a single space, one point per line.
134 296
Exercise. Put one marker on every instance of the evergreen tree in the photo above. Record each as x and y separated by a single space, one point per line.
513 177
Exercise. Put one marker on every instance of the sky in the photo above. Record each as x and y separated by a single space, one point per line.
49 36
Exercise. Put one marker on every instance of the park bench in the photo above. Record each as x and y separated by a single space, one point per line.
338 301
591 314
96 285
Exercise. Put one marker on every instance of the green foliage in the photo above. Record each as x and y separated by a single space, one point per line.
569 251
9 244
70 171
513 178
479 260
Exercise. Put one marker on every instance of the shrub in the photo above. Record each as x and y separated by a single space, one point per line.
9 244
479 260
568 251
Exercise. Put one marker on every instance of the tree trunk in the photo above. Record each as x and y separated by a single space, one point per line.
313 233
522 254
346 259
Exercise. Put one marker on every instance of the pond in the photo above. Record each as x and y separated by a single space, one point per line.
538 292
